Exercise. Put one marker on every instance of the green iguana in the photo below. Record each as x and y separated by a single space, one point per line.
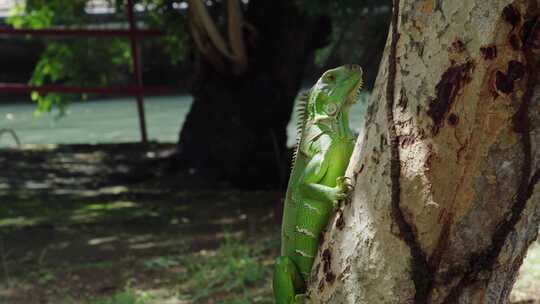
317 181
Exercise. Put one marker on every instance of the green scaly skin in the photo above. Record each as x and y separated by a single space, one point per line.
317 181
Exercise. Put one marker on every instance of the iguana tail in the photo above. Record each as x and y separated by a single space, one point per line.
287 282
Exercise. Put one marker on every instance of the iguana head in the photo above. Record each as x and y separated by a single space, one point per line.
332 97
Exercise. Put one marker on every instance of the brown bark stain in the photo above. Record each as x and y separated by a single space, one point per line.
530 33
418 26
512 15
489 52
462 144
502 84
375 156
403 100
429 160
515 42
340 222
321 285
427 7
453 120
327 261
406 140
360 169
458 46
330 277
449 87
516 70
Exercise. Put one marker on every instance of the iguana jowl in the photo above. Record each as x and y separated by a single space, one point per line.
317 181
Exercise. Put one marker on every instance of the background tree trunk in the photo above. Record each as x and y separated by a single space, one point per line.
446 170
236 128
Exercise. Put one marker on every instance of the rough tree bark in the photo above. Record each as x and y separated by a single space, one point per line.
446 170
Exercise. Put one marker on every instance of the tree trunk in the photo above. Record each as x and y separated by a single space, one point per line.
446 198
236 128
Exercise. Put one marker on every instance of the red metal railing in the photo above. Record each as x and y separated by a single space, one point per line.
52 88
68 32
138 90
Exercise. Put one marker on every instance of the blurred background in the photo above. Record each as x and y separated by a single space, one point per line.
145 145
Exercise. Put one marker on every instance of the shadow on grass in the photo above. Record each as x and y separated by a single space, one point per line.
82 248
82 236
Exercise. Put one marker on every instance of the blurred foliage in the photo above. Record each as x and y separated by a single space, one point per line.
73 62
81 62
107 61
337 8
38 14
350 17
163 15
89 61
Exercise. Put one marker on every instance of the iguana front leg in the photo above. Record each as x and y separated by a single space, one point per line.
311 188
326 193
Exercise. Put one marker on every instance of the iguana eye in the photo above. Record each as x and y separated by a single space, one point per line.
329 77
331 108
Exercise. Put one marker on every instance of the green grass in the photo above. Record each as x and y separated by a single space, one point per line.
127 296
162 262
24 213
236 273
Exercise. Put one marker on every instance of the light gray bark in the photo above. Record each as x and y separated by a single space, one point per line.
446 168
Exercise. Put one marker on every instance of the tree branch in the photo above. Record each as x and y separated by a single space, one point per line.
203 20
236 36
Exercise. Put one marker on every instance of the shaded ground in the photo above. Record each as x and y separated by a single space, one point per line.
77 225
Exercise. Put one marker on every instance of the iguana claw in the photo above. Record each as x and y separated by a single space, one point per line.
345 183
343 187
349 183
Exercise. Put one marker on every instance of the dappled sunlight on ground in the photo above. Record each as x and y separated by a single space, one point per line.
88 233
